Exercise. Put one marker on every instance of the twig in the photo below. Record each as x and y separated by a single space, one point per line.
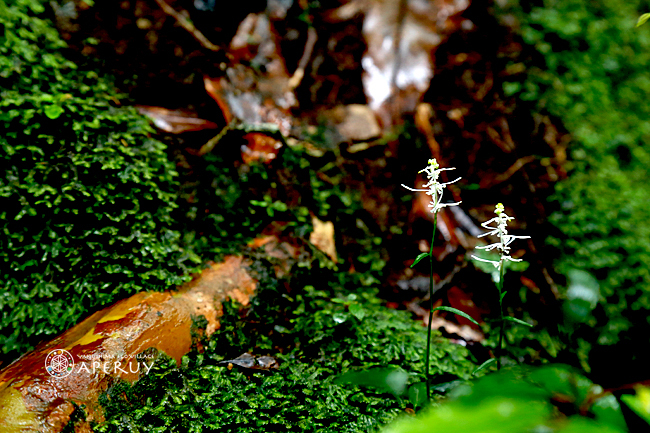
397 38
490 182
297 76
423 113
465 221
187 25
207 147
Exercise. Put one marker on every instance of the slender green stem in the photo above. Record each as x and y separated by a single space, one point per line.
501 318
426 358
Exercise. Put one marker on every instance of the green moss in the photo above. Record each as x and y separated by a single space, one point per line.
89 214
224 203
86 196
593 74
317 335
319 322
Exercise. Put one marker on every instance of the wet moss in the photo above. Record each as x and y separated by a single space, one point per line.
90 213
86 195
316 335
591 71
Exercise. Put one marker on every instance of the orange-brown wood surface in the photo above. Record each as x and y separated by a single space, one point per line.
104 348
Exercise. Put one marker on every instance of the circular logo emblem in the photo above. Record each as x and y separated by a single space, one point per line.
59 363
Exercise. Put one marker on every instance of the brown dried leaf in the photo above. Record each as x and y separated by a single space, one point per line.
213 87
175 121
464 331
354 122
247 95
401 37
463 301
323 237
260 147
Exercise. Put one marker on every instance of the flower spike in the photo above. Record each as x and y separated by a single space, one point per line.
501 221
433 187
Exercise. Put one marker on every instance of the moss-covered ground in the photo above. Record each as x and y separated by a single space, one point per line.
86 195
590 70
316 336
319 321
89 216
93 209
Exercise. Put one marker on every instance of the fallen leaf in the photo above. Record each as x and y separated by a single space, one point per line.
464 331
401 37
175 121
247 360
247 94
463 301
323 237
354 122
260 147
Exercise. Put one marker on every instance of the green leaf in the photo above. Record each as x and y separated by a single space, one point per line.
456 311
582 296
484 365
488 268
640 402
607 410
493 414
420 257
53 111
386 379
515 320
642 19
357 311
418 394
516 266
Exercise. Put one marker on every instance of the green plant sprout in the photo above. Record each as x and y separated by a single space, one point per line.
435 189
501 230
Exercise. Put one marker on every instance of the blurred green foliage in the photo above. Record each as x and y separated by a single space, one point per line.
591 71
639 403
544 399
86 196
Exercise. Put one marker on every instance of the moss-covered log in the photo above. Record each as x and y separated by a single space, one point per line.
38 393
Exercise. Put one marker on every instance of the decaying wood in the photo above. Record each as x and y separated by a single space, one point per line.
146 324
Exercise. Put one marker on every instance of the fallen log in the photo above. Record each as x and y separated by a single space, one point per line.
39 391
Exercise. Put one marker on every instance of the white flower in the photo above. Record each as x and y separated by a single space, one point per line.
434 188
505 239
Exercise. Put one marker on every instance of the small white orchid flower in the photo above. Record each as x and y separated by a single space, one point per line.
433 187
505 239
